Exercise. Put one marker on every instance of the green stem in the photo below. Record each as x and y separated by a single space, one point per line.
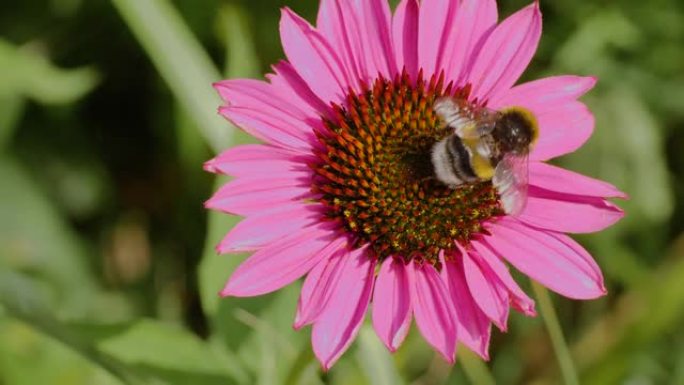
474 368
181 61
560 347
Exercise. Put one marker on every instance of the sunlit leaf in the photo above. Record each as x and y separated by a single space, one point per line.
36 239
28 357
167 351
240 62
22 300
11 108
181 61
241 56
27 73
375 360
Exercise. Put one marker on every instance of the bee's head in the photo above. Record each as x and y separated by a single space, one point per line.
516 130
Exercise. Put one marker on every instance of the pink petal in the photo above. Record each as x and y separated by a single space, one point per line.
553 259
258 160
247 196
552 178
486 258
568 213
489 294
474 329
271 128
342 317
392 304
376 37
257 231
433 309
404 27
475 20
562 130
436 26
318 286
544 94
313 58
338 23
288 82
281 263
506 53
262 97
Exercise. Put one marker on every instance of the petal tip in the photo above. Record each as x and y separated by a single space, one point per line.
287 15
324 360
225 293
223 248
299 321
529 310
592 81
210 166
501 325
325 366
537 7
218 84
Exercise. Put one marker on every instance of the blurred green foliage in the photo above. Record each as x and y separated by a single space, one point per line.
107 268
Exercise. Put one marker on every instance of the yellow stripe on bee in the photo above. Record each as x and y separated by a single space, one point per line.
482 167
530 118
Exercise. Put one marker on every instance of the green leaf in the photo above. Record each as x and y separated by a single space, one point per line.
375 360
215 269
168 352
28 357
11 109
241 61
241 56
639 159
181 61
22 300
27 73
585 51
299 366
272 346
36 239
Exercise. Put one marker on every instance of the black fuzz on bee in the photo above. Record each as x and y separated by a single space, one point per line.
514 132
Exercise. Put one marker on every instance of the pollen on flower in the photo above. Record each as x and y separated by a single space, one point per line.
375 177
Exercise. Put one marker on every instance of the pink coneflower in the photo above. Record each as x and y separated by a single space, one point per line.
335 193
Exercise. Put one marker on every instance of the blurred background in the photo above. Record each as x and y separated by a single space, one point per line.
107 268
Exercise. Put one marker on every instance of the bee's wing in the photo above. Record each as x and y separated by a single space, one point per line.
511 180
465 122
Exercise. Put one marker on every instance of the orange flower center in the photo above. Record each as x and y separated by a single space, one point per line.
376 178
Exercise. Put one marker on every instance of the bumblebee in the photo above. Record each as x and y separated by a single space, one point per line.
486 145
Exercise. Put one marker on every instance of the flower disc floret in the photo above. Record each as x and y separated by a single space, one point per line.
375 176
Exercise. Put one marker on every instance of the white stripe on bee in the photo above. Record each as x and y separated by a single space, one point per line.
452 115
444 168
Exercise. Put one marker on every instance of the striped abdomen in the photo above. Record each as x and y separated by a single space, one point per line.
456 162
